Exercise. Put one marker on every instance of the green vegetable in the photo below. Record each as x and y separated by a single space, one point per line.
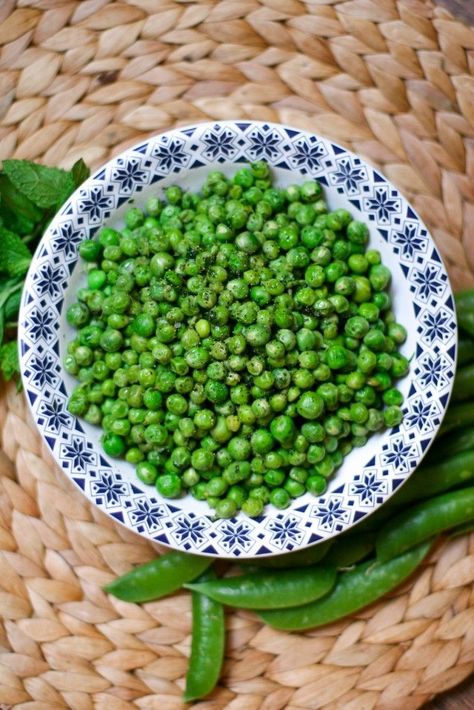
301 558
465 299
465 310
465 351
466 321
207 646
240 313
270 590
460 440
463 384
30 194
159 577
441 476
349 549
354 590
457 416
424 521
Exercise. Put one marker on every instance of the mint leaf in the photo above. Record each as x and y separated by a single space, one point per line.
12 304
15 256
45 187
80 172
15 221
9 363
16 206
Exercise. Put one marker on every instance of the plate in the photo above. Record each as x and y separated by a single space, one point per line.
423 302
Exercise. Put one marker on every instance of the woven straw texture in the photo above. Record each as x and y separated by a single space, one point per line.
394 82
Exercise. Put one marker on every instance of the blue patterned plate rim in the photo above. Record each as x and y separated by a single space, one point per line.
422 298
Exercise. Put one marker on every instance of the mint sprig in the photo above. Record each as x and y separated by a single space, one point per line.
30 195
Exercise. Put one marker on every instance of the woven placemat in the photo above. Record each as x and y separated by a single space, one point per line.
392 81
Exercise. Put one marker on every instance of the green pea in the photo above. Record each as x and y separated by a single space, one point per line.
147 473
113 445
253 507
310 405
169 485
316 484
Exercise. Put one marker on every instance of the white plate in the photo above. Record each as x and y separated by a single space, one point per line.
422 297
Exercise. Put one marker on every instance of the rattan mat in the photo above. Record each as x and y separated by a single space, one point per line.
391 80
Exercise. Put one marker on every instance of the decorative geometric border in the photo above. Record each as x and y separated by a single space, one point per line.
393 457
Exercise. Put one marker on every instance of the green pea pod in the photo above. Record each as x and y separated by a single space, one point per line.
349 549
465 299
465 310
354 590
463 384
301 558
429 480
458 442
462 529
465 350
159 577
207 646
466 320
426 519
460 415
270 590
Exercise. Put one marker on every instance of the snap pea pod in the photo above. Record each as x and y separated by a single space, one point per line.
463 384
270 590
459 415
465 299
466 320
349 549
159 577
301 558
430 480
207 645
373 521
448 446
354 590
465 350
462 529
465 310
426 519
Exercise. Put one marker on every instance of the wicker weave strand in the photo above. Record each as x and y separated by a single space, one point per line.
66 644
391 80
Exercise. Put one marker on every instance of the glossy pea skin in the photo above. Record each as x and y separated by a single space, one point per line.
423 521
158 578
207 645
354 590
270 590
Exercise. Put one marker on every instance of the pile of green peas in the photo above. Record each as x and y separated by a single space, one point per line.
236 343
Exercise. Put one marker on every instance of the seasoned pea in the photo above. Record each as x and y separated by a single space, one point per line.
236 342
